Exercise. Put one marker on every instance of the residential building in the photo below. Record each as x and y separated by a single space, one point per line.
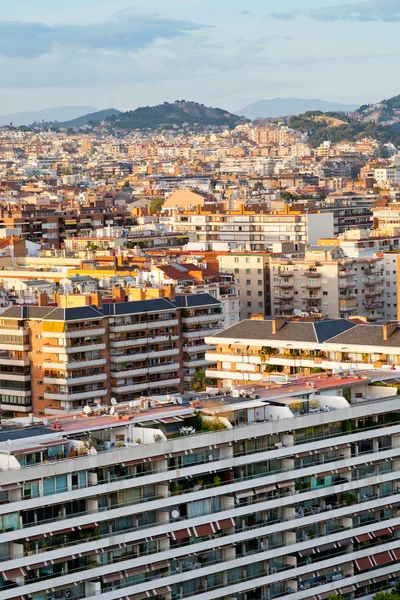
295 495
83 352
250 350
324 281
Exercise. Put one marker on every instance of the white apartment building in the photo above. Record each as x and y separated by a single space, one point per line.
296 496
324 281
251 231
249 351
385 176
391 289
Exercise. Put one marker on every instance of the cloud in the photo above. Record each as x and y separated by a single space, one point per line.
125 31
387 11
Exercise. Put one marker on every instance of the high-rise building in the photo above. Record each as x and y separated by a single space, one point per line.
295 494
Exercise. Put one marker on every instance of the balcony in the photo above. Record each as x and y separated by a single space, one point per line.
144 326
132 373
123 358
164 382
142 341
74 334
196 348
67 396
126 389
16 407
15 362
74 380
313 286
196 363
164 368
201 333
87 347
202 319
78 364
284 286
283 298
312 274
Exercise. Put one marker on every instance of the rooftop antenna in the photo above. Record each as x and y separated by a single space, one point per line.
112 410
114 401
45 422
87 410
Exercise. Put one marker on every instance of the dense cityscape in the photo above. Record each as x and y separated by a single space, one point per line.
199 304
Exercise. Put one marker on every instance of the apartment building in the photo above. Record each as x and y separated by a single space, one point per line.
391 291
59 359
251 350
199 278
250 230
251 271
296 495
324 281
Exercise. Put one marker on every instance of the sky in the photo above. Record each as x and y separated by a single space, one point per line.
226 53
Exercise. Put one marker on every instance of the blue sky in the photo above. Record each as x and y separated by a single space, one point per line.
227 53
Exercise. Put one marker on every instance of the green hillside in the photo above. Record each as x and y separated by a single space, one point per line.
174 115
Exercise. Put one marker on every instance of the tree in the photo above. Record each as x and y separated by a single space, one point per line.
386 595
156 205
199 381
126 184
376 190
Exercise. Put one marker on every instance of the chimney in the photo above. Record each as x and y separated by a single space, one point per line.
43 299
96 299
118 294
388 329
277 323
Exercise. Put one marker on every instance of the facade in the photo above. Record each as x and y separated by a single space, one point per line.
250 230
390 263
251 271
250 351
296 497
59 359
324 281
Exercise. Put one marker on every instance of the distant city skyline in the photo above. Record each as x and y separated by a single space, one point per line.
129 54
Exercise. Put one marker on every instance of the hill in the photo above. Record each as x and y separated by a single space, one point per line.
320 129
62 113
94 117
282 107
174 115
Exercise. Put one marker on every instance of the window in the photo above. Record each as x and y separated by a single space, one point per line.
259 293
236 270
248 293
247 271
247 260
249 304
324 293
236 260
259 271
260 305
260 282
248 281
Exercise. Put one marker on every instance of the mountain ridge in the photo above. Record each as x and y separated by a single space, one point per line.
284 107
96 117
28 117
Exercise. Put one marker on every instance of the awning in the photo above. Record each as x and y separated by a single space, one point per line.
141 596
171 420
396 553
226 523
245 494
203 530
88 526
285 484
364 537
381 578
382 558
161 457
130 463
163 564
181 534
265 489
136 571
9 486
364 563
347 589
307 552
112 577
163 590
381 532
326 547
13 573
